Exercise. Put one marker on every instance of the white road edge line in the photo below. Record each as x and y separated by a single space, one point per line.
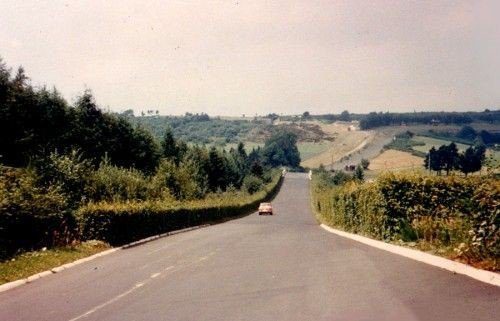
31 278
453 266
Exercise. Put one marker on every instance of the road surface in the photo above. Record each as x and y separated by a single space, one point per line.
283 267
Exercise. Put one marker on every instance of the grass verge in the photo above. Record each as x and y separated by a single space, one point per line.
29 263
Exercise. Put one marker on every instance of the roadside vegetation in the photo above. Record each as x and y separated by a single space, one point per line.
457 217
72 173
30 263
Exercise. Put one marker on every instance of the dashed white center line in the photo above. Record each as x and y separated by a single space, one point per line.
137 286
116 298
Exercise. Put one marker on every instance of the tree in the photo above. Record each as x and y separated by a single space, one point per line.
433 160
365 163
169 145
472 159
256 169
467 132
449 157
345 116
216 170
306 115
359 173
281 150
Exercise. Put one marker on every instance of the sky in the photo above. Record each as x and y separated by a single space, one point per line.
256 57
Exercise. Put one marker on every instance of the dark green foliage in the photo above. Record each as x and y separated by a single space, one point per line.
472 159
256 169
37 122
359 173
345 116
169 145
365 163
467 132
447 158
489 139
31 216
281 150
373 119
252 184
216 170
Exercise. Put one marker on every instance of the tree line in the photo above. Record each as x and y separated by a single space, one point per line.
447 158
57 158
373 119
35 122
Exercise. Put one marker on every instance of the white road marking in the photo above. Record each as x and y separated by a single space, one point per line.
138 285
116 298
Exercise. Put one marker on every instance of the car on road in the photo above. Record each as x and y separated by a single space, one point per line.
265 208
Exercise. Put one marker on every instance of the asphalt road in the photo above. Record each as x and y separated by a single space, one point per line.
282 267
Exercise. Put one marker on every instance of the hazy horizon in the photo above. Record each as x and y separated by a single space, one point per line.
230 58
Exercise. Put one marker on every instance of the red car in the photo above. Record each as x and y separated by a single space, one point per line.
265 208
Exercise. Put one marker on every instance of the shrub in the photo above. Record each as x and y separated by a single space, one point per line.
252 184
112 183
31 216
68 171
121 222
454 212
365 163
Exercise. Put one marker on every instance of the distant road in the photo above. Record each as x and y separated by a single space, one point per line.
282 267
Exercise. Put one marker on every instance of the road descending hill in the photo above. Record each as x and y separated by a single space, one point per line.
282 267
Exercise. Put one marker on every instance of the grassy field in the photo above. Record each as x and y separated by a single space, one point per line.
396 160
433 142
493 159
30 263
308 150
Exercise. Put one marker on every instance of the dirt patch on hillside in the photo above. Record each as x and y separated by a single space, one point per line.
305 131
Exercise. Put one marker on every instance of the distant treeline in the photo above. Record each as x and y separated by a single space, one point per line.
373 120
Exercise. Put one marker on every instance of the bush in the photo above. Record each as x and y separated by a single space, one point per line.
69 171
31 216
452 212
365 163
112 183
122 222
252 184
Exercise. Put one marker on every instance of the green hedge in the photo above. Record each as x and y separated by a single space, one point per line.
458 213
123 222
